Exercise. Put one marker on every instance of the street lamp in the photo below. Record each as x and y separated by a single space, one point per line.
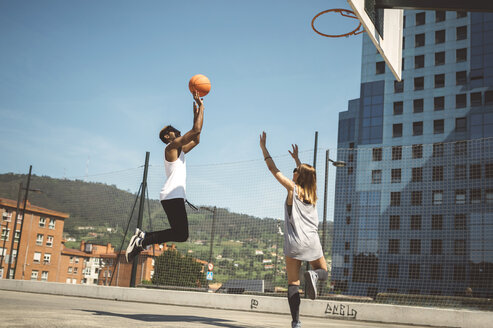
337 163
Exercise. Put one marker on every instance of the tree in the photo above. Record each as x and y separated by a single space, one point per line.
174 269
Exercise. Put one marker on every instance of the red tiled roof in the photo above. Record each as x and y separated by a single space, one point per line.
32 208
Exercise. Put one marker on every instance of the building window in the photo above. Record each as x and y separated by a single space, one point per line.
439 58
460 148
439 80
44 276
437 197
347 259
398 107
419 40
476 99
460 100
438 126
460 196
477 74
76 270
417 151
461 55
376 176
489 196
415 222
460 124
418 105
34 275
397 130
37 257
436 247
461 33
393 246
415 246
69 270
419 61
475 171
475 196
438 149
350 170
414 269
396 153
52 224
461 14
393 270
395 198
39 239
417 174
377 154
47 258
347 245
460 247
460 222
436 272
399 86
420 19
436 222
380 67
419 83
49 241
418 128
488 170
440 36
394 222
437 173
460 171
439 16
348 207
488 97
396 176
459 272
416 198
42 222
439 103
461 78
350 158
348 220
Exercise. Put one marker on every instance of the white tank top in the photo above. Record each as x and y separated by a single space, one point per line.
176 173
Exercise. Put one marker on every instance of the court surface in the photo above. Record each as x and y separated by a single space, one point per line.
19 309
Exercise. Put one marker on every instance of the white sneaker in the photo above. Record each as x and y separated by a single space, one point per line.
135 245
311 279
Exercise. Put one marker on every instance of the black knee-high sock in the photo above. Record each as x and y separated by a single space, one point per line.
322 274
294 301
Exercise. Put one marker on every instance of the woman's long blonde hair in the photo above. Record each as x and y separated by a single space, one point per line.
307 183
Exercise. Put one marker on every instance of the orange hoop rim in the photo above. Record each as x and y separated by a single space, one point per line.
343 12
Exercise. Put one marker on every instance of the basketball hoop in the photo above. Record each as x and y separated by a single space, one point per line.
343 12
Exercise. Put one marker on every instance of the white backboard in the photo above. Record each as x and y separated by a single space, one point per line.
389 45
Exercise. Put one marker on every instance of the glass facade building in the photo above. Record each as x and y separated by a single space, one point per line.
414 206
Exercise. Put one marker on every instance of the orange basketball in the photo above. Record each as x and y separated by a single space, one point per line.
199 83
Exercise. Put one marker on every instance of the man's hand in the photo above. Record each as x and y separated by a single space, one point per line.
198 104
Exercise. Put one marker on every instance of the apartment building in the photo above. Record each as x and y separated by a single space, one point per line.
37 257
414 206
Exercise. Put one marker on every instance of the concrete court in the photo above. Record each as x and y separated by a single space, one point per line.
19 309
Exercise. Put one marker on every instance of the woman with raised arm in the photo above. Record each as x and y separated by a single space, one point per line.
301 240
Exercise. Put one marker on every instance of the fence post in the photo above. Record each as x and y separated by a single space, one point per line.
139 218
324 222
22 224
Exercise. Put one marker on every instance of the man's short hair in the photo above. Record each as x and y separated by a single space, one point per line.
166 130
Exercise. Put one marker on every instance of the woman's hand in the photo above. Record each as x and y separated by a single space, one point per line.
263 140
294 153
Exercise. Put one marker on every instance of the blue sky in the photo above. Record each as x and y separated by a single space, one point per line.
85 86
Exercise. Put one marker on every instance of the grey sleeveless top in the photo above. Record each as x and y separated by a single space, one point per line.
301 240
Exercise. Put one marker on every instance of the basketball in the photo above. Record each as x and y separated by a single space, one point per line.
199 83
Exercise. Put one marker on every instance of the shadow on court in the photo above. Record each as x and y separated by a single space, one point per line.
170 318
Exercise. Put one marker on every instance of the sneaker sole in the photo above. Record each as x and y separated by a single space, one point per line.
311 290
